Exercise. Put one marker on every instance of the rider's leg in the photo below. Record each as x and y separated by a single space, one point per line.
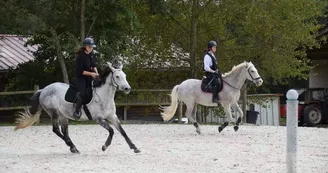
79 102
215 90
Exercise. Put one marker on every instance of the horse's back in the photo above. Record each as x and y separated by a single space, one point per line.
56 86
191 82
54 89
189 85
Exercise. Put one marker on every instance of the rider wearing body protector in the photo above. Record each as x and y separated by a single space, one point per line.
211 69
85 72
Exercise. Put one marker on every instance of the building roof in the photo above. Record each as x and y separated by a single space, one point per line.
13 51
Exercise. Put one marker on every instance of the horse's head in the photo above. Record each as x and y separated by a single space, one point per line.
253 75
118 78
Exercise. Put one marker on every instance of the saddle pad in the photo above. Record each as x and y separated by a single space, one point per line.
206 87
71 94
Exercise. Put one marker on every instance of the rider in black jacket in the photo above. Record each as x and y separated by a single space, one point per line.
85 72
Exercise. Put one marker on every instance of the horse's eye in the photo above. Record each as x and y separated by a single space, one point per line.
117 77
252 71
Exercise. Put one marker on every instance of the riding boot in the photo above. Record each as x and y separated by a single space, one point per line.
77 113
215 95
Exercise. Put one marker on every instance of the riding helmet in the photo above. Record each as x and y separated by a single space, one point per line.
211 44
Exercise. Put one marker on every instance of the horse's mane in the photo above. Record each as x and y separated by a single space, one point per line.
102 77
235 68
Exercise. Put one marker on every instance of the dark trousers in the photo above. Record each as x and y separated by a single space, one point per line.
84 89
214 83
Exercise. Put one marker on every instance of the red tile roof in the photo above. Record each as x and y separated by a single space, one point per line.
13 51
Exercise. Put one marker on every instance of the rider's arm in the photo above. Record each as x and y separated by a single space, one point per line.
208 63
94 64
79 66
95 70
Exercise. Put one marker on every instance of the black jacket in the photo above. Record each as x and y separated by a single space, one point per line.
84 62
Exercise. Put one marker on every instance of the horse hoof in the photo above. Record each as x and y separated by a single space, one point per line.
236 128
137 151
74 150
103 148
239 120
198 131
220 129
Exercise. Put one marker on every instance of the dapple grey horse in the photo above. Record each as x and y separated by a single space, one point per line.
102 107
190 93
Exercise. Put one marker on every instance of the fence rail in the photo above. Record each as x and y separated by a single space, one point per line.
138 97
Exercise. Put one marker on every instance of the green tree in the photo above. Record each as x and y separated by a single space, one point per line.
274 35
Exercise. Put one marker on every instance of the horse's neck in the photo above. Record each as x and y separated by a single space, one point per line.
106 92
236 79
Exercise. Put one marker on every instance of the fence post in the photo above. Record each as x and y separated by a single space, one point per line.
180 112
292 123
36 87
244 106
125 116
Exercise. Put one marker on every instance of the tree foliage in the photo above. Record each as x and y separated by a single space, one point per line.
274 35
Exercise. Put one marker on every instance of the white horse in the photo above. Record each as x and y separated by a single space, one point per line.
189 92
102 107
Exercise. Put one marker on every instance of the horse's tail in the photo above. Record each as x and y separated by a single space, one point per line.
31 115
169 111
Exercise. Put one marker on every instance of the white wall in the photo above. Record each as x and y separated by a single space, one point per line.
269 110
319 75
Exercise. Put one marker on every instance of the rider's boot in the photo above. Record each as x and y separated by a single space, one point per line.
77 113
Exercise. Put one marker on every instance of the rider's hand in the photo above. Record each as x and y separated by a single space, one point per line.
94 75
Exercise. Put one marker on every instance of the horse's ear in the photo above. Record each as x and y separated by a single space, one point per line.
120 66
110 66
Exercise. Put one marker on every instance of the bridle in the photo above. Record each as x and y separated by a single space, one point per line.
252 76
113 81
253 79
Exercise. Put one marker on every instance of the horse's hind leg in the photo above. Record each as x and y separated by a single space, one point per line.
191 115
227 110
104 124
64 127
55 128
116 123
240 115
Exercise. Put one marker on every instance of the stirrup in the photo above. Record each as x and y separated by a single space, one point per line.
217 100
78 116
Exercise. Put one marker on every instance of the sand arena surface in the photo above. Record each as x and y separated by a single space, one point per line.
164 149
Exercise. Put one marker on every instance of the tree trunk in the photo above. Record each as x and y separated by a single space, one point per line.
193 38
82 20
60 56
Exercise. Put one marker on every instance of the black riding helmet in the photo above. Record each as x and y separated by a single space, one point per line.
211 44
89 42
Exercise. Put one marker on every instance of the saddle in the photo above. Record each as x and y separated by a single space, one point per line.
207 85
72 94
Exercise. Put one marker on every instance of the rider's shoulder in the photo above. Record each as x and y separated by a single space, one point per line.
207 56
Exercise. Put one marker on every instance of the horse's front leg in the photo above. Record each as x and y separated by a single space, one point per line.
117 124
227 110
105 125
240 114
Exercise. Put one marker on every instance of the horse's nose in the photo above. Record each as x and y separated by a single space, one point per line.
127 89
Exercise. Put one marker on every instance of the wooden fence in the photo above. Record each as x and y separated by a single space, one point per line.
11 93
138 97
